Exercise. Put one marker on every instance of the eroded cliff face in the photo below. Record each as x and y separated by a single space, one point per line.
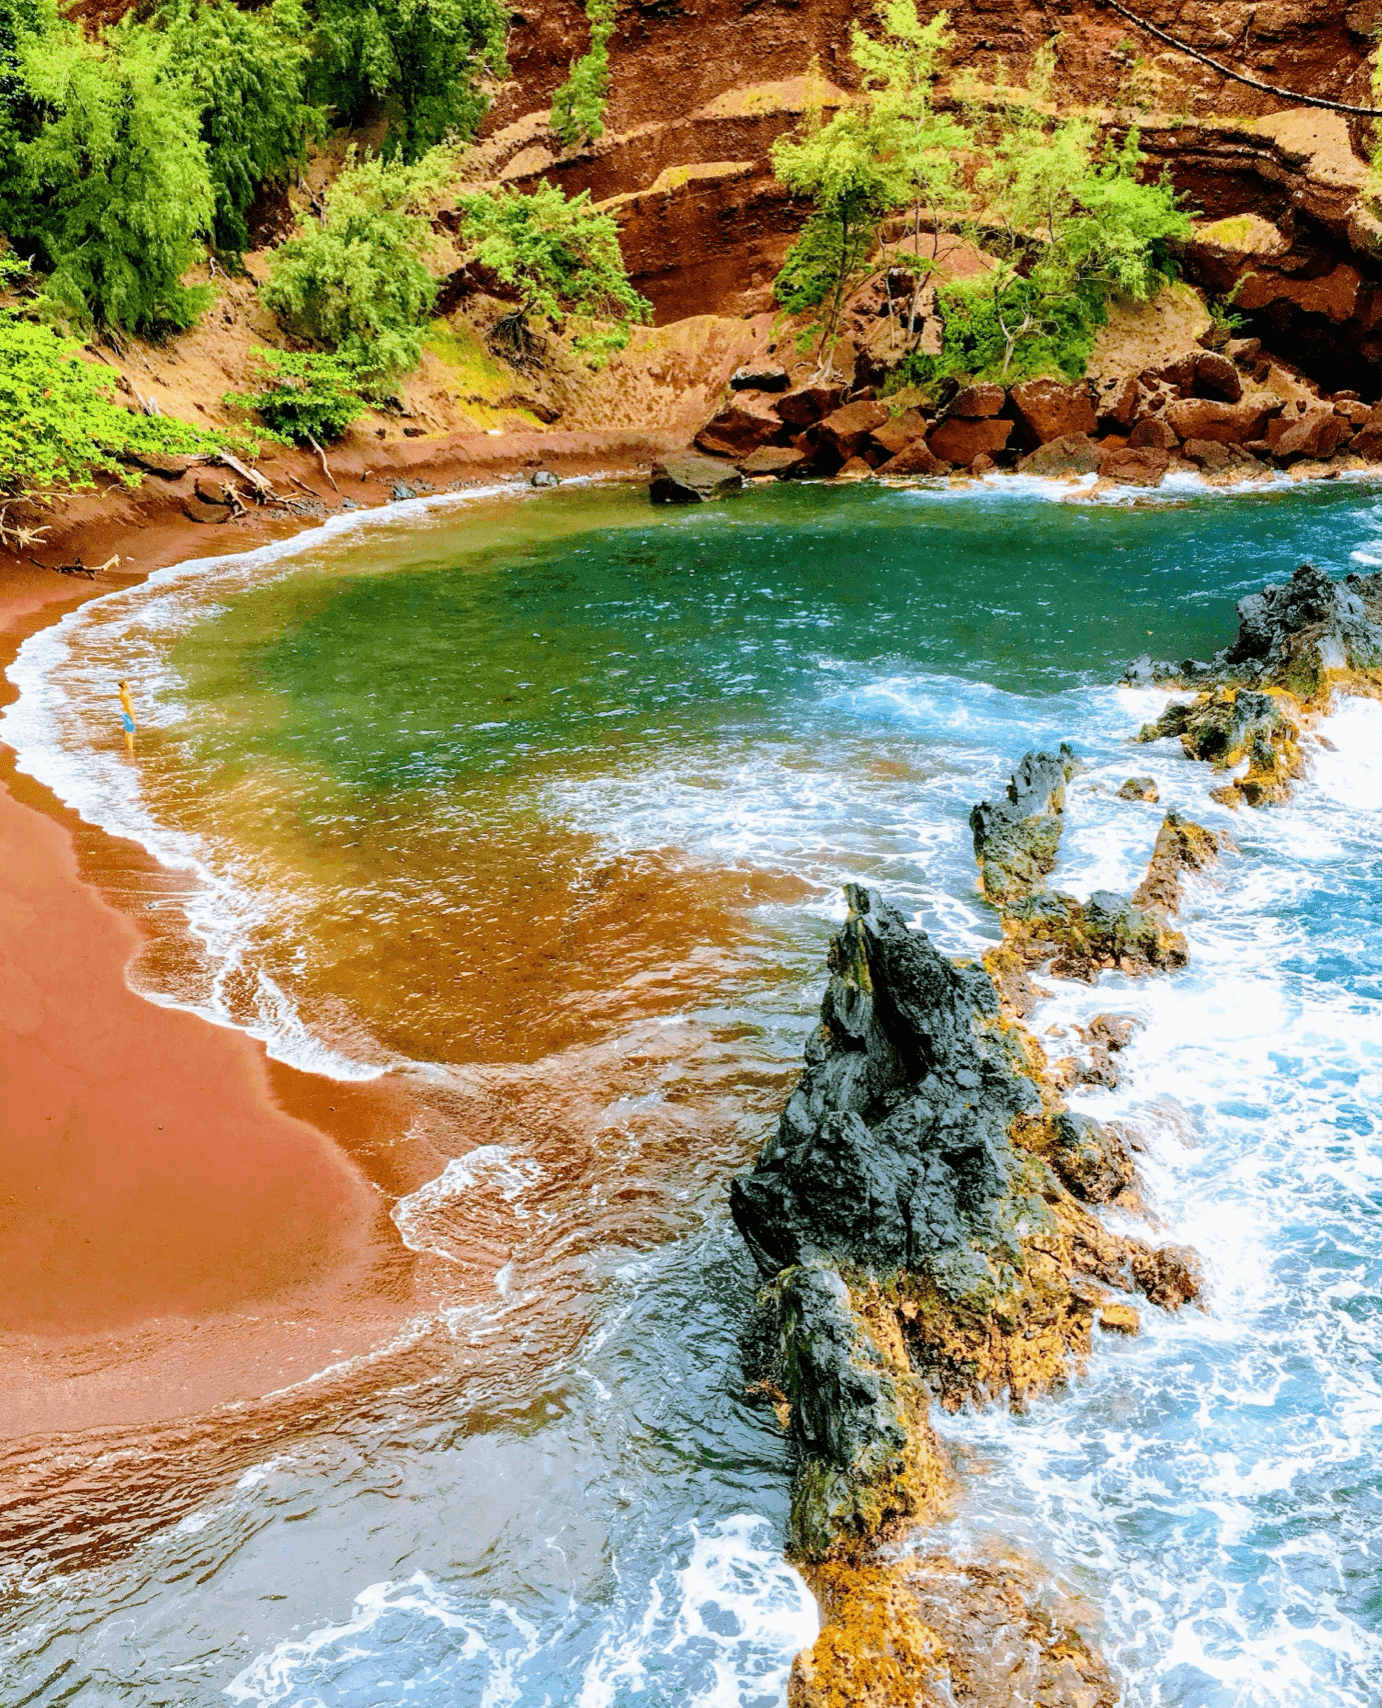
699 92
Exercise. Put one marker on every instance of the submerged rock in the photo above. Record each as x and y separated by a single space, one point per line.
1016 843
1139 789
1181 846
1229 725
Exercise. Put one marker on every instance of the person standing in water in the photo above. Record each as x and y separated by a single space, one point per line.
127 709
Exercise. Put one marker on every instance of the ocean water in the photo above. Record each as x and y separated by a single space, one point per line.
543 802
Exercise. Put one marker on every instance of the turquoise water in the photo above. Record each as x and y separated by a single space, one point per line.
545 801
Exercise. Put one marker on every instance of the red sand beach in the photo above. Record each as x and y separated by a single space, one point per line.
175 1233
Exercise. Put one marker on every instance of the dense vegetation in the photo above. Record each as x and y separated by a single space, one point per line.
417 63
120 154
357 279
1063 224
561 257
131 155
305 396
59 422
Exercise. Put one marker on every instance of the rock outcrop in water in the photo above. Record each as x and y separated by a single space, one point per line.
923 1220
922 1214
1017 837
893 1148
1016 842
1296 645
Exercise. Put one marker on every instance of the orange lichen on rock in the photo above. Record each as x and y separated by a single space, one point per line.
1181 846
918 1632
874 1650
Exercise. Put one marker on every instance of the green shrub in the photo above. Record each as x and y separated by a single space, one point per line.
58 421
248 70
418 63
357 280
578 107
103 174
563 257
306 397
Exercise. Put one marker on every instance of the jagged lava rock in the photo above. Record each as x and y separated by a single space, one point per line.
858 1414
1301 636
1093 1161
1181 846
691 479
1017 837
893 1149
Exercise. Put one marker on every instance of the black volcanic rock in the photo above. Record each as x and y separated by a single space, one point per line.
1017 837
1290 636
893 1149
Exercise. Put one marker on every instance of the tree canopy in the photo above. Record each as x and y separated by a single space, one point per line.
420 64
562 256
357 279
1062 223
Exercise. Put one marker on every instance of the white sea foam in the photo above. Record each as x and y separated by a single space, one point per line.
1209 1481
425 1218
717 1627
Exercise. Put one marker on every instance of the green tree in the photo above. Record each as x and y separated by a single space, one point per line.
103 173
1063 225
578 107
59 423
419 63
562 257
248 71
357 280
930 148
853 175
306 397
1067 226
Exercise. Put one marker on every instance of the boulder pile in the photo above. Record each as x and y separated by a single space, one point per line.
1225 413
